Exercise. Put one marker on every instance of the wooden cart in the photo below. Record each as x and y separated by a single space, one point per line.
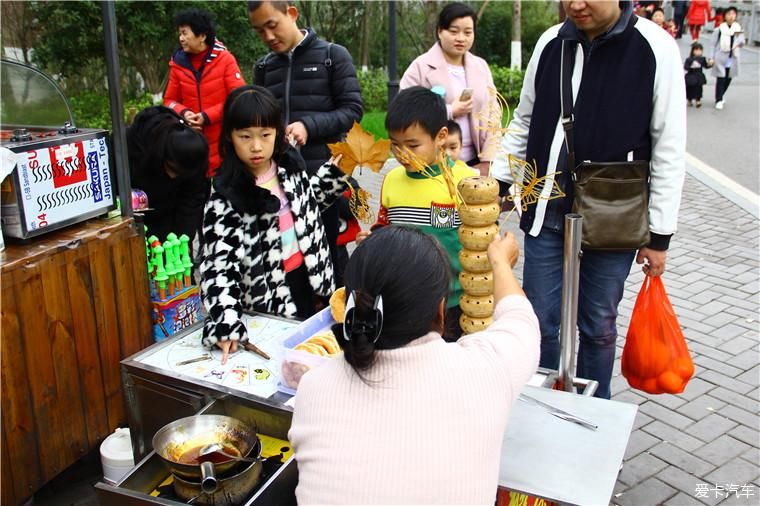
74 303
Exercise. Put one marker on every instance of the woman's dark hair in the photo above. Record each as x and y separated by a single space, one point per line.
656 9
454 11
694 46
199 21
411 272
725 11
251 106
158 137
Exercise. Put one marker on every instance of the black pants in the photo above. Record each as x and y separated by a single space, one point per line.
721 85
301 292
330 221
694 92
679 19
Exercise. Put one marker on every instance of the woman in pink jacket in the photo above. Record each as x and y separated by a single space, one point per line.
383 422
468 82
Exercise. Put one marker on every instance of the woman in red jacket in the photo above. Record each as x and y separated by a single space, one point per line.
698 14
201 75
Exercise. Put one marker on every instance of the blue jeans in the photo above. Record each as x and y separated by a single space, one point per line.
602 281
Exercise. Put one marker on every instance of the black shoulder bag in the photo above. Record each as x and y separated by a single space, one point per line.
612 197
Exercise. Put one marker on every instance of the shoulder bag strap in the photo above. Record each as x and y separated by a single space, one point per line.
566 98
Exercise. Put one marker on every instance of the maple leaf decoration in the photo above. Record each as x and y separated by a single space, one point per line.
361 148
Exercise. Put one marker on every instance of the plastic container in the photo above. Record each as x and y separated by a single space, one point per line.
295 363
116 456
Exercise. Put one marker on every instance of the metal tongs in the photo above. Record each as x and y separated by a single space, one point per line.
564 415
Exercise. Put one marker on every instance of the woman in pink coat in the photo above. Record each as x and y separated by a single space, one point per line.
698 14
470 98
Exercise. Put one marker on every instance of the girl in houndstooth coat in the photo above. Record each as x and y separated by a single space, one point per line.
264 242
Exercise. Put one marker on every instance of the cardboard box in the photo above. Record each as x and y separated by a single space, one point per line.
176 314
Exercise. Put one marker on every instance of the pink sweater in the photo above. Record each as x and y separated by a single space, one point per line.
430 69
427 429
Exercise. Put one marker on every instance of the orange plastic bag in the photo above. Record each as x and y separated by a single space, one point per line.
655 357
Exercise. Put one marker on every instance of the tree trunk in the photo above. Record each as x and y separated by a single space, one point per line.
18 29
516 48
365 35
482 9
431 22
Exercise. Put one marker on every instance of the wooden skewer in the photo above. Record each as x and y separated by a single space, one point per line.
255 349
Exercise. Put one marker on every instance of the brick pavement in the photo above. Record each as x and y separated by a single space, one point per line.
708 436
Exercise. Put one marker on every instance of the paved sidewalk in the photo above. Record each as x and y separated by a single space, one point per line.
705 440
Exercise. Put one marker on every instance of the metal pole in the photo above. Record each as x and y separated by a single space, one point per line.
571 267
118 133
392 81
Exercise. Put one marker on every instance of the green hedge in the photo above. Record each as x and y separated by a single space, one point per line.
374 85
93 110
509 83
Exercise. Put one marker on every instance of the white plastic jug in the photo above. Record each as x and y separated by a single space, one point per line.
116 455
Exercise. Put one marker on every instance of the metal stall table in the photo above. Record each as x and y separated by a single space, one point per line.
546 456
177 378
559 445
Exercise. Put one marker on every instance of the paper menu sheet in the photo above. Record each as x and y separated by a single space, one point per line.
244 370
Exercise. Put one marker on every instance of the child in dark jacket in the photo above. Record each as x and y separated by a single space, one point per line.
168 161
695 77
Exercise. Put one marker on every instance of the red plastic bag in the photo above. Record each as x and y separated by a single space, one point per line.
655 357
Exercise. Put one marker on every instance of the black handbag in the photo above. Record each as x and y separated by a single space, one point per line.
612 197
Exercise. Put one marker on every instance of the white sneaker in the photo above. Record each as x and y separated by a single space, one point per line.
719 105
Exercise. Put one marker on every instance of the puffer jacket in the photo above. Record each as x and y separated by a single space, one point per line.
316 84
205 91
699 12
242 269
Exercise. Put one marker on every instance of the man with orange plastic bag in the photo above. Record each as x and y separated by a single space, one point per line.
625 92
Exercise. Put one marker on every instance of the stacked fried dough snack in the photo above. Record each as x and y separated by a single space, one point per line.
478 213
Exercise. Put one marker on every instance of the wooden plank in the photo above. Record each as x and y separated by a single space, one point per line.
17 255
63 344
107 324
40 367
142 293
7 483
125 287
19 435
86 333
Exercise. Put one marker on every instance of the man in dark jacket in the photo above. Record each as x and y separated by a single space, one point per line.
316 84
628 90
